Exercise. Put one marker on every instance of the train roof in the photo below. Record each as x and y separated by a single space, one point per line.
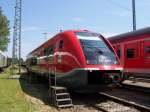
131 34
67 31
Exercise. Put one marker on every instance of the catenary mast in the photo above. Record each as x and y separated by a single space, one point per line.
134 15
16 51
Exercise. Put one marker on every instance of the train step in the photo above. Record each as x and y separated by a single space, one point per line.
61 94
60 97
64 99
63 106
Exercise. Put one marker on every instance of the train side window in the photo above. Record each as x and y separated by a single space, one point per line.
48 50
61 44
34 61
130 53
147 49
119 53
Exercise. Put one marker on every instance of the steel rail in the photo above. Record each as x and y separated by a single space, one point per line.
98 108
136 88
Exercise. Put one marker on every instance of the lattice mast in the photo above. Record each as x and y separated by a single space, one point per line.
16 51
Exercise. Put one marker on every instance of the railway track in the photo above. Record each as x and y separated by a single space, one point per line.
127 101
136 88
99 108
122 105
122 101
114 109
104 102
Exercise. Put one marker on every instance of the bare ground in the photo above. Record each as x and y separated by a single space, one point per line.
38 94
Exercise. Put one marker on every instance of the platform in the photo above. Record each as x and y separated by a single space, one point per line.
137 83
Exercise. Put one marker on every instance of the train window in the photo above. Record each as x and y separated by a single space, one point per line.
33 61
48 50
147 49
118 53
130 53
61 43
95 49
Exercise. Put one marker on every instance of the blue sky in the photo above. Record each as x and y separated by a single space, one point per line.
108 17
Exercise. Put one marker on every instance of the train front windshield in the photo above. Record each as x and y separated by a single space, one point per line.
95 49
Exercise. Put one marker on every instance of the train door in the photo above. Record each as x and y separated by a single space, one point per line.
49 56
146 54
59 50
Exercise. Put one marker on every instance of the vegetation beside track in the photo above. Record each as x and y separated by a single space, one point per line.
17 95
12 98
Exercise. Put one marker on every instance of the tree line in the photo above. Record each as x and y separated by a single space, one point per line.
4 31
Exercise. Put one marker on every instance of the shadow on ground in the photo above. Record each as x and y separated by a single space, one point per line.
38 90
41 92
1 70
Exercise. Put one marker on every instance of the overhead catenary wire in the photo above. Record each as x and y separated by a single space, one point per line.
128 9
119 5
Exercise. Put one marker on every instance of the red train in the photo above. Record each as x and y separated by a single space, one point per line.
80 59
133 49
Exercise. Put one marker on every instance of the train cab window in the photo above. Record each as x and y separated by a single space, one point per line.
147 49
95 49
130 53
119 53
61 44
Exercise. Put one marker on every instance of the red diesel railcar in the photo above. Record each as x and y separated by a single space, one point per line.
80 59
133 49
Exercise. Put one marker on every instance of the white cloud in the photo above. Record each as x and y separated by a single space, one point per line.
32 28
122 13
78 19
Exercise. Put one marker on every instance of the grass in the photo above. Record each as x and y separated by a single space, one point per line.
12 98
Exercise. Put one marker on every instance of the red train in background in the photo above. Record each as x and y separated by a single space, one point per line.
133 49
80 59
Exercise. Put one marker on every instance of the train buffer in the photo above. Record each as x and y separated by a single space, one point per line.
60 97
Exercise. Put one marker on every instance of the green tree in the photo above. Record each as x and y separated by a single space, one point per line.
4 31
